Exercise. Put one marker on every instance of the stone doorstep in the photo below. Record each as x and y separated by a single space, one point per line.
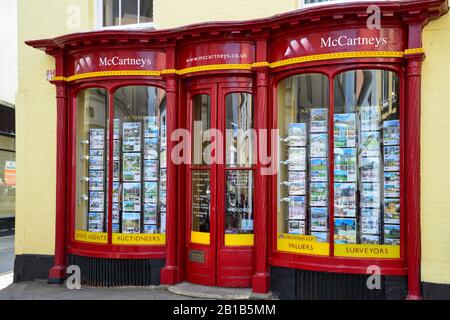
216 293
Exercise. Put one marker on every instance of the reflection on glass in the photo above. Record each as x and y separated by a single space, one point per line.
201 122
139 162
201 199
146 11
91 146
239 122
367 158
303 150
129 12
239 201
110 13
7 177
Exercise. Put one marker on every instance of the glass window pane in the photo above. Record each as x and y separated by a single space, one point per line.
7 177
239 201
303 173
110 13
139 164
201 200
367 158
201 122
129 12
91 165
239 122
146 11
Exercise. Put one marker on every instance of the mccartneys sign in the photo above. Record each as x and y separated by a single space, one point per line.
345 41
117 61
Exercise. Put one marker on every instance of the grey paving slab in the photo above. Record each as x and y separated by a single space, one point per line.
40 290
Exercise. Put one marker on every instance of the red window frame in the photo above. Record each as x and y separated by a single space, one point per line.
331 263
90 249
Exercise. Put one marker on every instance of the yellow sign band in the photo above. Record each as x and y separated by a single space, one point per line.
367 251
200 237
92 237
244 239
139 238
301 244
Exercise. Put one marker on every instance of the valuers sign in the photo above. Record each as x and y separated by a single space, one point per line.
118 60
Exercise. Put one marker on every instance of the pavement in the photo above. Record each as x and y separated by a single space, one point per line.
40 290
6 254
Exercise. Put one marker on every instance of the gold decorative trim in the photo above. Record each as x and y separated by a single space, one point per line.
260 64
169 71
114 73
231 66
337 55
244 66
414 51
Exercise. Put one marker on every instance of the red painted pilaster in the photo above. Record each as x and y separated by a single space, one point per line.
261 278
170 272
412 172
58 271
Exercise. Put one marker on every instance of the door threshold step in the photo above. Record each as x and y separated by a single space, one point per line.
216 293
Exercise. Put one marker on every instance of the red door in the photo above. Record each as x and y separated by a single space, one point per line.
220 213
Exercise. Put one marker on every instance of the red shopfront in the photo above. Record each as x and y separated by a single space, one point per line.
322 186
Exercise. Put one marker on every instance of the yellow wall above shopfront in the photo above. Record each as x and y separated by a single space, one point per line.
36 121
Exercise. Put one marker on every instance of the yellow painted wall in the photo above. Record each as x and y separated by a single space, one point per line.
36 120
435 153
174 13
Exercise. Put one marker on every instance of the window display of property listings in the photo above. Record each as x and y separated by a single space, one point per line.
366 165
91 207
138 168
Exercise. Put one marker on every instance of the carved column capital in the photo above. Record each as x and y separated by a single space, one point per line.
414 64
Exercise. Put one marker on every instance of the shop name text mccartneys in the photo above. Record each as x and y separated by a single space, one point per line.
116 61
344 41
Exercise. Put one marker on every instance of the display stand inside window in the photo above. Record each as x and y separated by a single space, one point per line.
303 173
367 164
139 163
91 163
365 219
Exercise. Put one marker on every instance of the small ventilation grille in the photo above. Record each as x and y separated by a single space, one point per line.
330 286
292 284
100 272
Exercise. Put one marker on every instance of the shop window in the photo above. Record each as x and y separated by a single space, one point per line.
366 158
239 154
200 172
139 161
91 149
126 12
303 177
366 165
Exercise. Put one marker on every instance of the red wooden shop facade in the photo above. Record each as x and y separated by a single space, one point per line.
252 57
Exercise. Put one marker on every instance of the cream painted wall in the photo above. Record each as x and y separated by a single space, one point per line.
177 13
36 119
435 152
